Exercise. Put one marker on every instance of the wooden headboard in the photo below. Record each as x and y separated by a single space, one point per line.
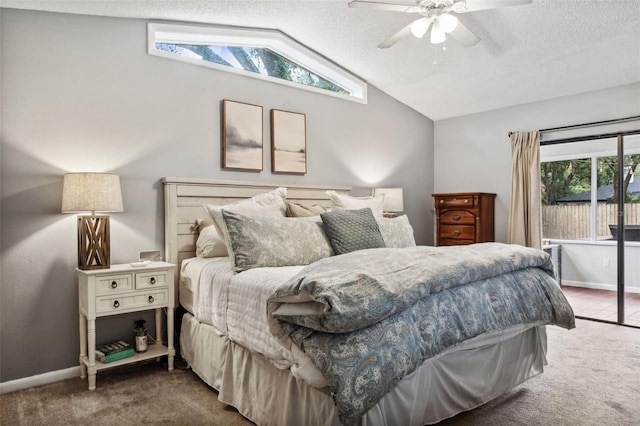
184 197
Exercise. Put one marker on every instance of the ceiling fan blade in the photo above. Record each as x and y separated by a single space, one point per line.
475 5
392 7
406 31
464 36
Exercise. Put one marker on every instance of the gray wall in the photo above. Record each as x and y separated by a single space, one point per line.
473 152
80 93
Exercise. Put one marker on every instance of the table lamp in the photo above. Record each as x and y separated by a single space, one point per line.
92 192
393 203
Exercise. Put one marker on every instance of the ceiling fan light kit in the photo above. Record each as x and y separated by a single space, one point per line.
437 33
436 14
419 27
448 22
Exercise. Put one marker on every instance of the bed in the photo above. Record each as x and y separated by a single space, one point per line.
269 341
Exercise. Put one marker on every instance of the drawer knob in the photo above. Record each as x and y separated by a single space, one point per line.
114 284
455 217
466 201
116 304
456 232
151 299
152 280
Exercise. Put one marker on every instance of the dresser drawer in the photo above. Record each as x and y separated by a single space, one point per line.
151 279
113 283
455 232
455 201
127 301
447 242
458 216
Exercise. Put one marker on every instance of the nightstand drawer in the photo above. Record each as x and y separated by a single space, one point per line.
456 201
455 232
124 302
113 283
151 279
458 216
446 242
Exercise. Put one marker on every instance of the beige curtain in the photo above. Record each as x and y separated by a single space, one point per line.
525 218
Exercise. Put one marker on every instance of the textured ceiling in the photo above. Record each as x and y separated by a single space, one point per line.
529 53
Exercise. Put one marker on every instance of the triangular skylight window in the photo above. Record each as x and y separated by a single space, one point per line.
266 54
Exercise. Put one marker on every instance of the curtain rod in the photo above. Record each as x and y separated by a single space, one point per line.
590 138
594 123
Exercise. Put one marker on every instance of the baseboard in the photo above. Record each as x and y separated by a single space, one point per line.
598 286
39 379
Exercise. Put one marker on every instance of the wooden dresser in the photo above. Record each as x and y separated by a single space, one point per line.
464 218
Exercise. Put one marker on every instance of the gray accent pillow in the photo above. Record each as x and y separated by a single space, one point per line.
351 230
396 231
275 241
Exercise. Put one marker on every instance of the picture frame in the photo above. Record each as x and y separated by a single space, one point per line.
288 142
242 136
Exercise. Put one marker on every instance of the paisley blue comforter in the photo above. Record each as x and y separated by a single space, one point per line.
368 318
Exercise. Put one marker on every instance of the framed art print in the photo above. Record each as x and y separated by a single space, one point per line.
242 136
288 142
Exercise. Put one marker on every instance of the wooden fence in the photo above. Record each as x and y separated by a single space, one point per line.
573 221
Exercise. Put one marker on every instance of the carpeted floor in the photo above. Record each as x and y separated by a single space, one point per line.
593 378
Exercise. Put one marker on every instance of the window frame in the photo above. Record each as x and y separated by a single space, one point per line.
274 40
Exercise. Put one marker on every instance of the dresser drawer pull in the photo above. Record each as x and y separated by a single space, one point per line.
456 232
151 299
466 201
116 304
441 201
114 284
456 217
152 280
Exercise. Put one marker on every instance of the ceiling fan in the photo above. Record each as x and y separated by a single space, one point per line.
436 14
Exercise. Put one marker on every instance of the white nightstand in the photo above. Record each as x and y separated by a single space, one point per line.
118 290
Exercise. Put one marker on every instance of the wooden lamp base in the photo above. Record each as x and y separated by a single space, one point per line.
93 242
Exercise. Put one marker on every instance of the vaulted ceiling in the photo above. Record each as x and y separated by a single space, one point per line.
544 50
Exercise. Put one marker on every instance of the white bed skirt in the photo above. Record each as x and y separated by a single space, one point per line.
442 387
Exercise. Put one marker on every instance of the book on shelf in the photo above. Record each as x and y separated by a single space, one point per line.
114 351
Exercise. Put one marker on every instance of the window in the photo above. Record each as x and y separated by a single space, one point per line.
580 191
566 199
264 54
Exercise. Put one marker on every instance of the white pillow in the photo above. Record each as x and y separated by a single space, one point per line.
267 204
210 244
347 202
396 231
